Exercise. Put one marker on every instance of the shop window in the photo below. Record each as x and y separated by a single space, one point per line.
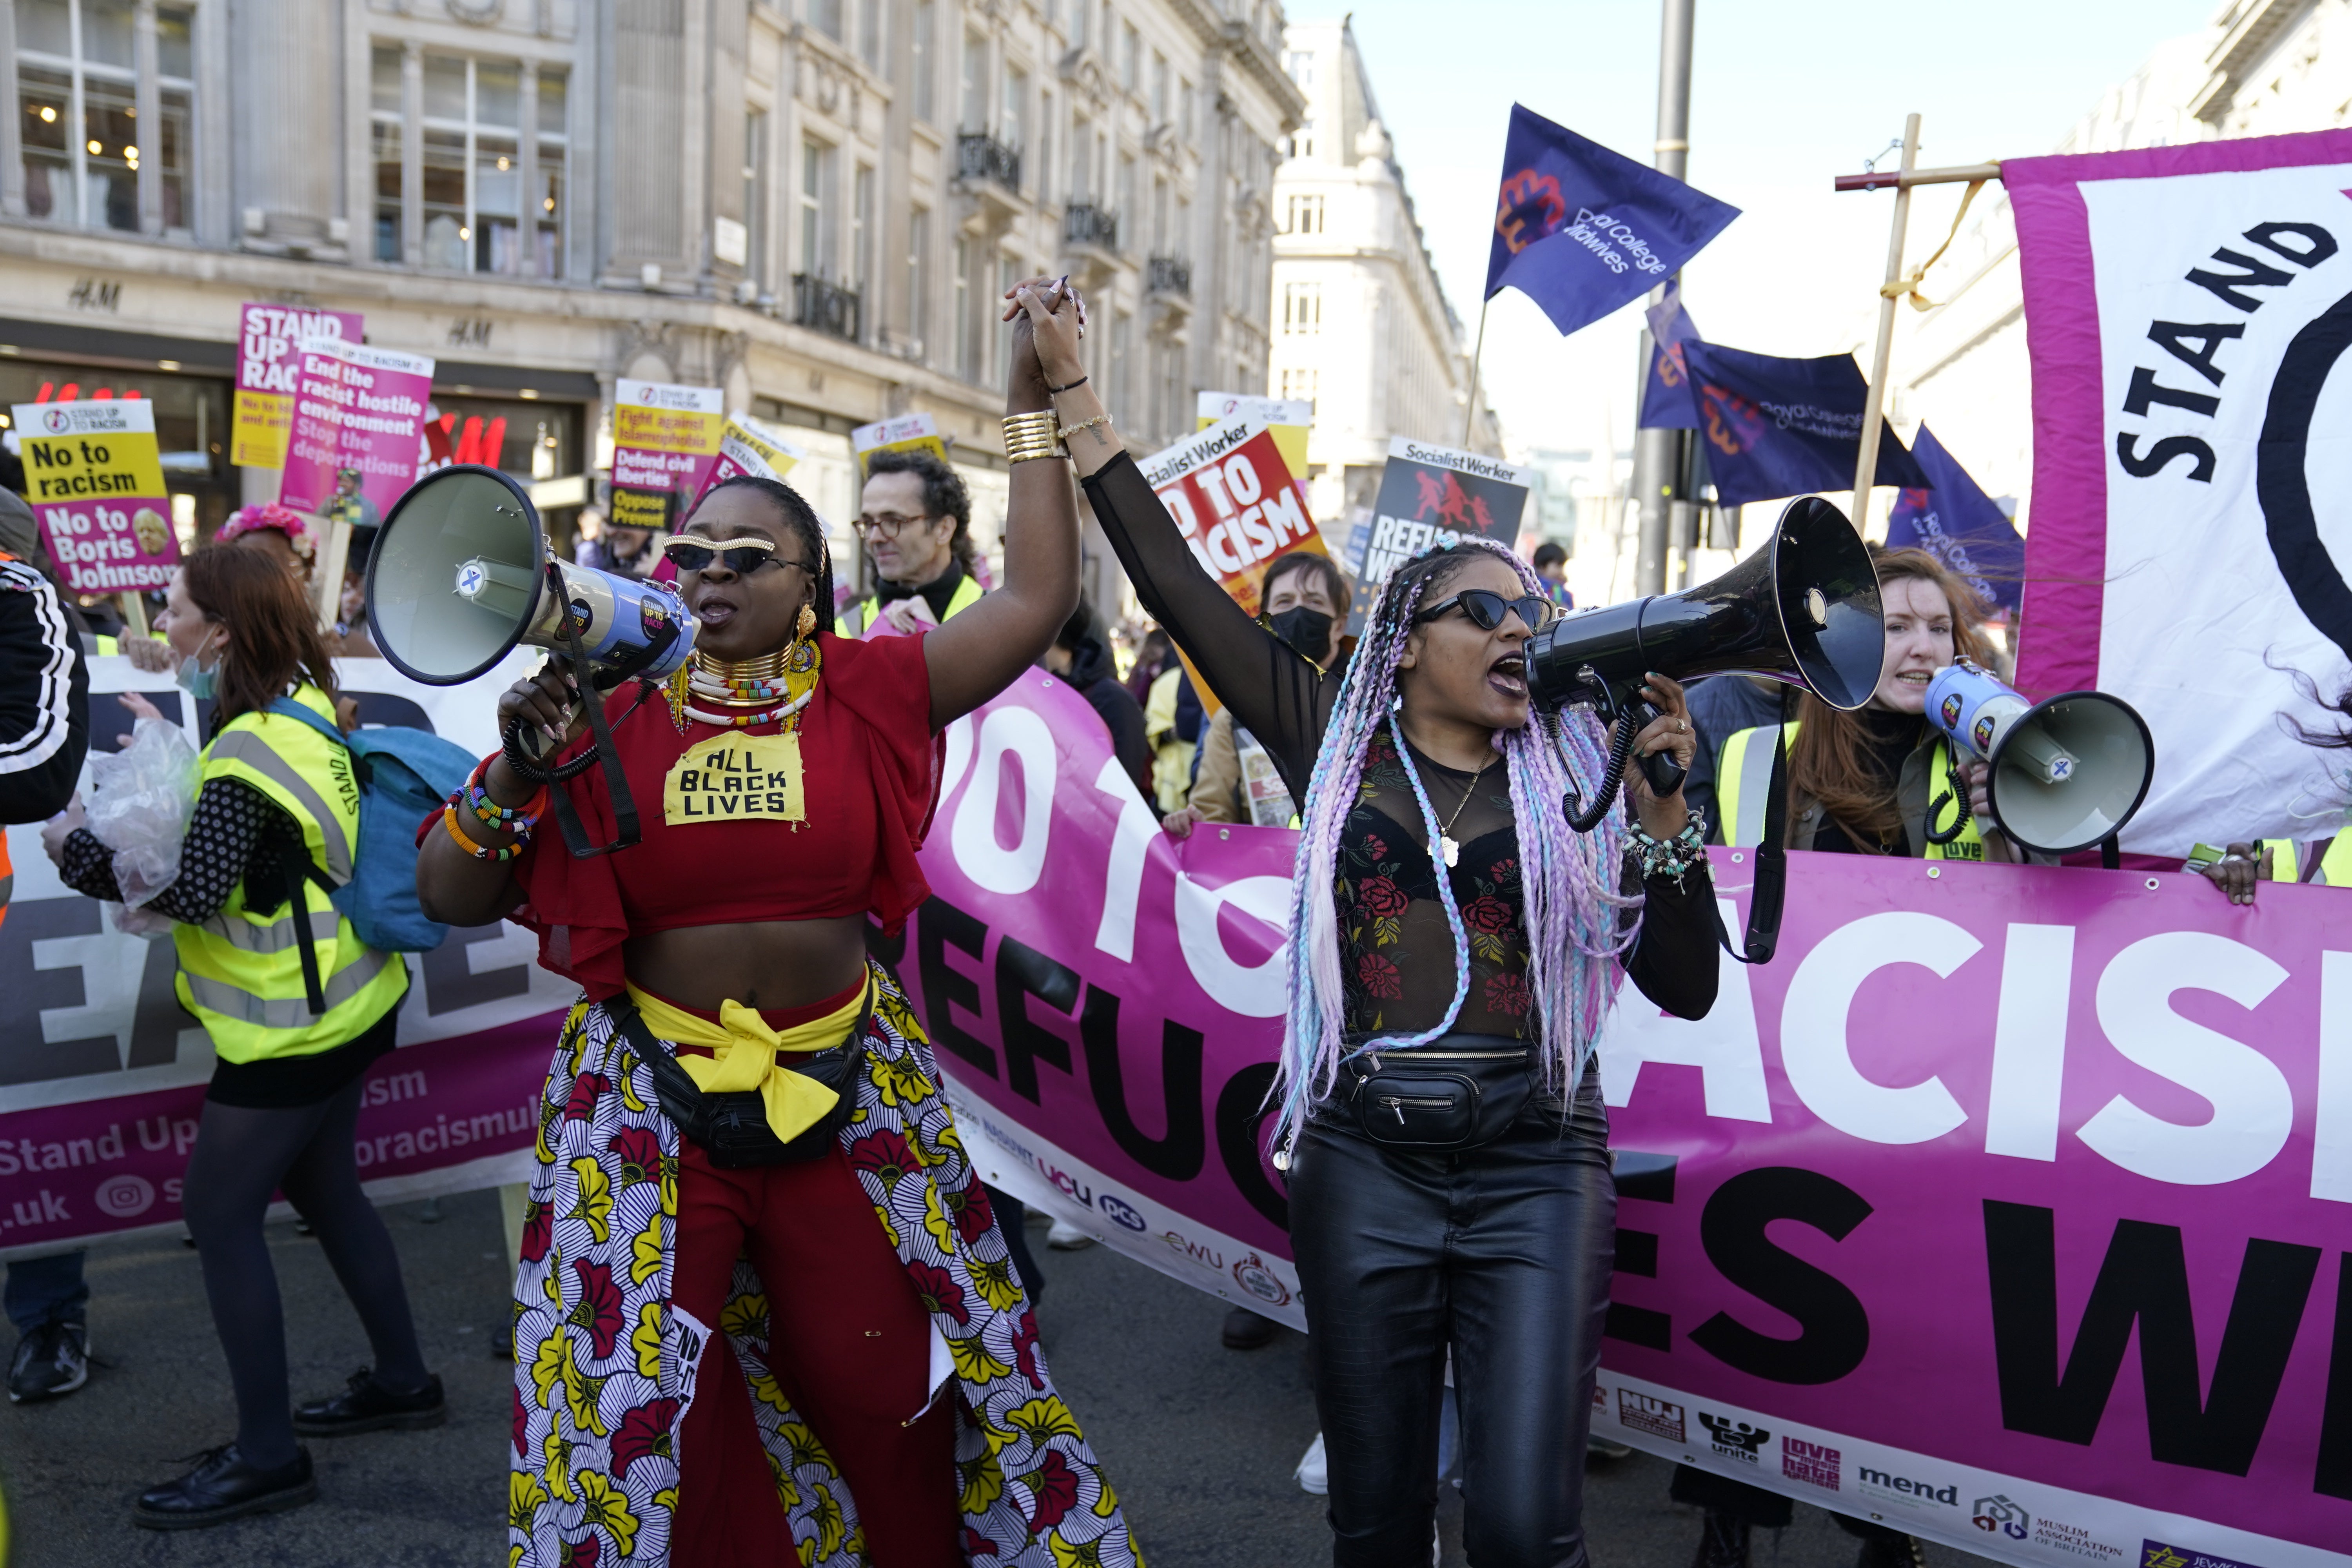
77 90
494 148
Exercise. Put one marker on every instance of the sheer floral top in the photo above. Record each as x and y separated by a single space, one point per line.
1397 958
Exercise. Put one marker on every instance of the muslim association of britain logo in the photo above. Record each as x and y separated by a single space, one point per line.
1658 1417
1253 1276
1733 1439
1997 1515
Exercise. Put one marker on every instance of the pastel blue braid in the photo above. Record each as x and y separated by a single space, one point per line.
1572 904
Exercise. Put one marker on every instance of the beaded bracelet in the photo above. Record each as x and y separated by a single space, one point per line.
1670 857
478 851
515 819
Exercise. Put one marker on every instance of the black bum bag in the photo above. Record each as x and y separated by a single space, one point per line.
1456 1093
732 1128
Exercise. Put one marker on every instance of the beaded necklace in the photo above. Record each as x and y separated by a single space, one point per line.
776 686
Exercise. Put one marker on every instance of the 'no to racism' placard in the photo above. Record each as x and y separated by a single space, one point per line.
96 487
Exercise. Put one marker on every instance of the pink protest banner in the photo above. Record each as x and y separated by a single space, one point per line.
102 1075
270 339
359 416
1890 1217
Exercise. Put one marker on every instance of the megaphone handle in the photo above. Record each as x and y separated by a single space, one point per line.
1664 773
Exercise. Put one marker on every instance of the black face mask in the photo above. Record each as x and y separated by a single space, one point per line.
1304 629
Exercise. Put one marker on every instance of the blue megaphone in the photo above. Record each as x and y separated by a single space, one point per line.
2066 773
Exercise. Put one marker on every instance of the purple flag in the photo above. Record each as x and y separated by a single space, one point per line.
1581 230
1956 522
1773 427
1665 405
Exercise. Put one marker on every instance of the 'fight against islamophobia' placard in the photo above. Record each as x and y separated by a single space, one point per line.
907 433
665 440
268 360
96 487
358 419
746 447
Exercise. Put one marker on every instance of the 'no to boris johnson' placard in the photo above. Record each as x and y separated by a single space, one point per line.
96 486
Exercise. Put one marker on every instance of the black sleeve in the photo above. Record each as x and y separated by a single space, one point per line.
43 698
1275 694
232 822
1675 961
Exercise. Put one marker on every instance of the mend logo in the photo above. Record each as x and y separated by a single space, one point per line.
1813 1463
1658 1417
1901 1488
1733 1439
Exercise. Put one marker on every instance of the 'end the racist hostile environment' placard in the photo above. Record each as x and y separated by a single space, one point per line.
359 422
96 487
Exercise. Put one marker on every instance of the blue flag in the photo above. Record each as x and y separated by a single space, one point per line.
1580 230
1773 427
1956 522
1664 405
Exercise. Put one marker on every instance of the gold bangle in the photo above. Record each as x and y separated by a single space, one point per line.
1069 430
1028 435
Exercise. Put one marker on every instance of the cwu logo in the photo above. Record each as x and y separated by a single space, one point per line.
1999 1514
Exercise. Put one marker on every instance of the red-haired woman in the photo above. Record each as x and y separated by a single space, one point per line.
764 1313
276 799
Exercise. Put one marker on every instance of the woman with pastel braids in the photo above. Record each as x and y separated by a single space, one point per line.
764 1315
1450 932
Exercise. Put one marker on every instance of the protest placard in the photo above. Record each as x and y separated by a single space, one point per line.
1434 495
268 363
908 432
358 416
1290 418
96 486
746 447
665 441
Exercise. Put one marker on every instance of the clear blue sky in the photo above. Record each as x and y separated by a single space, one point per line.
1785 94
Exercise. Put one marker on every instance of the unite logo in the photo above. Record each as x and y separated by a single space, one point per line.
1733 1439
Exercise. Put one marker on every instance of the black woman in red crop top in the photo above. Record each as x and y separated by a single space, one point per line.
753 1237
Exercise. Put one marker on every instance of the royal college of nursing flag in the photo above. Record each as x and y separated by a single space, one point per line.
1581 230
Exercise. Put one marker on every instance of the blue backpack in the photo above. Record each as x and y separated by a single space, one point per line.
403 773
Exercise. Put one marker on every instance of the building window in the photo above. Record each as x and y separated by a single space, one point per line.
920 60
1013 117
1184 106
1081 14
966 359
77 91
1299 383
1122 358
1303 214
554 152
816 181
1300 65
1008 271
755 184
869 33
1080 145
1302 141
974 105
861 233
1127 207
472 203
1159 88
825 16
1302 307
1130 57
387 118
1043 163
918 279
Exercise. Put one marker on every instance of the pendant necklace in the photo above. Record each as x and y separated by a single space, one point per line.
1447 849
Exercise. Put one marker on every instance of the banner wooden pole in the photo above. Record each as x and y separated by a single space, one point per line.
134 613
1470 409
333 549
1866 466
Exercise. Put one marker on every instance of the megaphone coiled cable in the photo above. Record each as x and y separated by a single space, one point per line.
1620 746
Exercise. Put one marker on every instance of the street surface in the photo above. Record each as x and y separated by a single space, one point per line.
1200 1440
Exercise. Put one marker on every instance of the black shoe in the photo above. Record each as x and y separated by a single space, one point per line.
1606 1449
1722 1543
1892 1550
223 1487
50 1362
1246 1331
367 1405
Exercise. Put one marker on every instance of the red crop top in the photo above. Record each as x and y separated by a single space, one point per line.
870 767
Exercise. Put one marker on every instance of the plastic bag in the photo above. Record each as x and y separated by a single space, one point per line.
142 799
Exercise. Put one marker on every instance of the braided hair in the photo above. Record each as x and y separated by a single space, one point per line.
1570 879
801 519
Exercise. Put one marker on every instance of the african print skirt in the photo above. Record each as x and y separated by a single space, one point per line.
605 1363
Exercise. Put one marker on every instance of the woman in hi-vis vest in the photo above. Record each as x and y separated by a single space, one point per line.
274 799
1860 784
1863 782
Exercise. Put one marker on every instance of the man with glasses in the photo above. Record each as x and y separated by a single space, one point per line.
915 523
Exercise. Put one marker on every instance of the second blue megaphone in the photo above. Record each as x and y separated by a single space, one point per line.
2065 774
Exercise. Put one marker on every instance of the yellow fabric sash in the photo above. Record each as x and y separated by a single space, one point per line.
744 1052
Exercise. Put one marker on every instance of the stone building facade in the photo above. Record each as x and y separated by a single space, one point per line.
811 204
1361 323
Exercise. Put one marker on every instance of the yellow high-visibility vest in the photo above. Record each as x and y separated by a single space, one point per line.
241 973
853 621
1743 781
2335 865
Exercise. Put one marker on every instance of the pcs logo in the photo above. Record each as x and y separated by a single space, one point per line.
1120 1211
1999 1514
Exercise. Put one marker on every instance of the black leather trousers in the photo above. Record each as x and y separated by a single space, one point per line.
1503 1254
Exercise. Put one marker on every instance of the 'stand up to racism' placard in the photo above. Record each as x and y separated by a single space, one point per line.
96 487
268 363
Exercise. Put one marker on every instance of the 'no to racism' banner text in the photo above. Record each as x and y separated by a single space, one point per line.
95 483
